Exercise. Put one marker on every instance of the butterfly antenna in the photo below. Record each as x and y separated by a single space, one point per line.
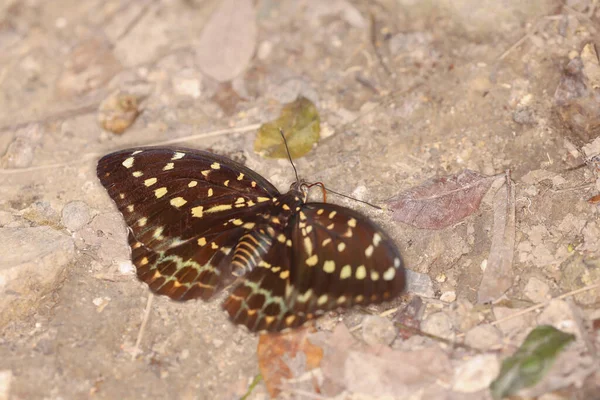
287 149
353 198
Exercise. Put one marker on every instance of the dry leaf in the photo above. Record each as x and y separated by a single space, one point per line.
283 356
441 202
228 40
498 275
299 121
377 371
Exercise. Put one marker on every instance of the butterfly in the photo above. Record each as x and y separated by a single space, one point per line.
200 222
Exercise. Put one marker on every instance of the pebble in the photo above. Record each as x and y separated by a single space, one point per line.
476 373
536 290
483 337
419 284
448 297
75 215
438 324
378 330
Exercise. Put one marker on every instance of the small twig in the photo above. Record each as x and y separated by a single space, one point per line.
540 305
254 383
207 134
85 157
136 348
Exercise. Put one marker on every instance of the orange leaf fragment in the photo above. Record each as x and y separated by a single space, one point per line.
279 355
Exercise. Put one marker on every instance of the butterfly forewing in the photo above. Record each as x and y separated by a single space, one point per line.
186 211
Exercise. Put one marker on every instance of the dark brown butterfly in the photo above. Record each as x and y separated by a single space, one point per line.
197 221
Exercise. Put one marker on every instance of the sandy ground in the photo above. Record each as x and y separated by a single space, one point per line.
406 91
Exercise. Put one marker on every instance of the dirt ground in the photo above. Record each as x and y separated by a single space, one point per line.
406 91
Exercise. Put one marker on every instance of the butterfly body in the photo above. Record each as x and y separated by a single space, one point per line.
198 221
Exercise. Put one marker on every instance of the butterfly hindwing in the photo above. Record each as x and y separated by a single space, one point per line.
186 210
335 257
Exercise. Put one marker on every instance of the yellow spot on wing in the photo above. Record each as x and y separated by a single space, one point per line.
150 181
192 184
160 192
197 211
290 320
240 177
137 174
341 246
320 211
308 245
130 208
361 272
249 225
369 251
389 274
215 165
322 299
178 202
281 238
397 262
352 222
326 242
214 246
142 221
128 163
376 239
346 272
284 274
374 275
144 261
286 207
262 199
206 172
168 166
312 260
226 183
158 233
329 266
178 155
201 241
218 208
332 214
237 222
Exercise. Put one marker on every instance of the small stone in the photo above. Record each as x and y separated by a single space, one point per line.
448 297
264 50
419 284
483 337
513 325
378 330
441 278
75 215
476 373
561 315
438 324
31 263
187 86
536 290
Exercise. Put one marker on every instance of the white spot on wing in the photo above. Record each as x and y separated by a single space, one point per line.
128 163
178 155
169 166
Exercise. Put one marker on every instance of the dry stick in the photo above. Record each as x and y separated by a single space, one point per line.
540 305
86 157
136 349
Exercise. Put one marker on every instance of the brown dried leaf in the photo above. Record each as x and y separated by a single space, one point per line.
279 356
441 202
228 40
498 275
